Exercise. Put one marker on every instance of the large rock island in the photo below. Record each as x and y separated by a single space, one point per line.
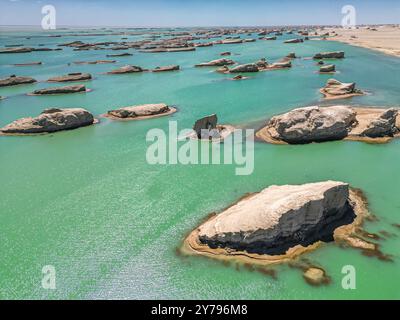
279 223
318 124
50 120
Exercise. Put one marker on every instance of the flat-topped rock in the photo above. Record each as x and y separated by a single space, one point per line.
50 120
249 67
95 62
16 50
232 41
126 69
216 63
280 217
34 63
76 76
166 68
327 69
60 90
318 124
281 65
293 41
125 54
330 55
141 111
335 89
14 80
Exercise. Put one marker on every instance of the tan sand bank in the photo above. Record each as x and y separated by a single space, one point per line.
385 39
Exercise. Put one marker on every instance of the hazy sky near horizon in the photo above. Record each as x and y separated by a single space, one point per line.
161 13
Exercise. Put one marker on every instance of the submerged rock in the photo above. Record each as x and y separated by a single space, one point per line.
329 55
280 217
315 276
76 76
51 120
59 90
141 111
14 80
250 67
335 89
216 63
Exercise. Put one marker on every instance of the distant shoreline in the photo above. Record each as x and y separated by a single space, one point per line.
384 39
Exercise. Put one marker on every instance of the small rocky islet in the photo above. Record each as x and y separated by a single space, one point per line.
140 112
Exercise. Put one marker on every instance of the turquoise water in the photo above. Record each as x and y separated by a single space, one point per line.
87 202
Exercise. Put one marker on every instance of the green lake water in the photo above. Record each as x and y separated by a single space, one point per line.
87 202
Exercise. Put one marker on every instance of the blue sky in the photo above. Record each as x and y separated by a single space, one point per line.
197 12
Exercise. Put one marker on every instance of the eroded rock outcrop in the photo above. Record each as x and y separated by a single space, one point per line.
207 128
385 125
250 67
318 124
34 63
16 50
14 80
278 218
294 40
60 90
330 68
141 111
166 68
216 63
330 55
70 77
312 124
335 89
50 120
126 69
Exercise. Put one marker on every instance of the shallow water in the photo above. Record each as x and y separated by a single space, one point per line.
87 202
